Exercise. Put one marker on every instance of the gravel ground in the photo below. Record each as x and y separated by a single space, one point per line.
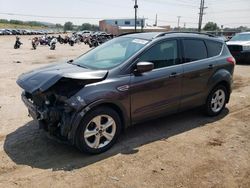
182 150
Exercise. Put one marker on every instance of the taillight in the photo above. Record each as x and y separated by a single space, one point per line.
231 60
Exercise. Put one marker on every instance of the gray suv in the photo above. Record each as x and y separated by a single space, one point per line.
132 78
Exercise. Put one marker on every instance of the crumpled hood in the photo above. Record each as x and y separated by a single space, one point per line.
238 43
43 78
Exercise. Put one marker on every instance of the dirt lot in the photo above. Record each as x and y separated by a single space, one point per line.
183 150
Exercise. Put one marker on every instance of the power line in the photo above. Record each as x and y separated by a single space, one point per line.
42 16
170 3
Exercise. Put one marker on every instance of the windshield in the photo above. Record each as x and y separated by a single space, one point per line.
241 37
111 53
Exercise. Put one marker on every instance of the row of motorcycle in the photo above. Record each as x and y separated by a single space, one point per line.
90 40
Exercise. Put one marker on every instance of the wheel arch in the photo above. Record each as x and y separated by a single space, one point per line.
125 119
117 107
221 77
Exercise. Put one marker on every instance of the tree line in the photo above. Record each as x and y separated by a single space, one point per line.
68 26
19 22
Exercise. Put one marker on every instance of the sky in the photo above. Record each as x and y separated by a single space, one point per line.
229 13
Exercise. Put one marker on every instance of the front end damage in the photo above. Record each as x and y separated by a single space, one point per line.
53 109
56 107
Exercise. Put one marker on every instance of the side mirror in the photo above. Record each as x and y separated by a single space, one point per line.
142 67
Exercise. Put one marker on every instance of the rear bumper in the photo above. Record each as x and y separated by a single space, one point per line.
241 56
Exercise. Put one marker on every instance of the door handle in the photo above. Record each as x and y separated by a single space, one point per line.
173 75
211 66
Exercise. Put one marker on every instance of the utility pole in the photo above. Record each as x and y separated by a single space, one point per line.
135 7
179 17
156 20
201 13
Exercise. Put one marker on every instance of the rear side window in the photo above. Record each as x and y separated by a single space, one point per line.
194 50
213 48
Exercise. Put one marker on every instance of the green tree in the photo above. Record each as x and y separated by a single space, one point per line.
68 26
4 21
58 25
88 26
210 26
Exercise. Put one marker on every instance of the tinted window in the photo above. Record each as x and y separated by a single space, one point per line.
194 50
213 48
127 22
162 55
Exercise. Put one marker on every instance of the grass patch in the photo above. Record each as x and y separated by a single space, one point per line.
18 26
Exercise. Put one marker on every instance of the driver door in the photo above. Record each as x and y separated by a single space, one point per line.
157 92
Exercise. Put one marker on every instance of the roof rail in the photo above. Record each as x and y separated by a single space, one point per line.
134 32
171 32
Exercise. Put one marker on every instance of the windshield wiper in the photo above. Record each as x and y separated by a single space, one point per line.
71 62
81 66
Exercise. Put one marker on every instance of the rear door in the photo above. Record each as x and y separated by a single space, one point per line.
199 64
157 92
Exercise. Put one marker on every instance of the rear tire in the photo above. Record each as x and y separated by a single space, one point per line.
216 101
98 131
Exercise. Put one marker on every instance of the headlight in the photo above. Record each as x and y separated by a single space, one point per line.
246 48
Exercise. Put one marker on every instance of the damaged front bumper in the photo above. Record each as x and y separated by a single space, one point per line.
31 107
58 121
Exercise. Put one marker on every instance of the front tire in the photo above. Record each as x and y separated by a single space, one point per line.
216 100
98 130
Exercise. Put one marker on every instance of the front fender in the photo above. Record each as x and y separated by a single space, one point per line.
80 115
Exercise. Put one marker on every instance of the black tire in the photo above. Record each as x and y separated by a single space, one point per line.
209 110
82 145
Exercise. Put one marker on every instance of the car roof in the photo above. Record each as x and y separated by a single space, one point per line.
146 36
243 33
161 35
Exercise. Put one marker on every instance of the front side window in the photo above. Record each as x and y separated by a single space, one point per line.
111 53
163 54
194 50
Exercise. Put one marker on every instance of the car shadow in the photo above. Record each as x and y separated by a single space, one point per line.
30 146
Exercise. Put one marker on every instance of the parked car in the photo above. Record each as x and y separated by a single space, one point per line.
7 32
239 46
130 79
14 32
84 33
